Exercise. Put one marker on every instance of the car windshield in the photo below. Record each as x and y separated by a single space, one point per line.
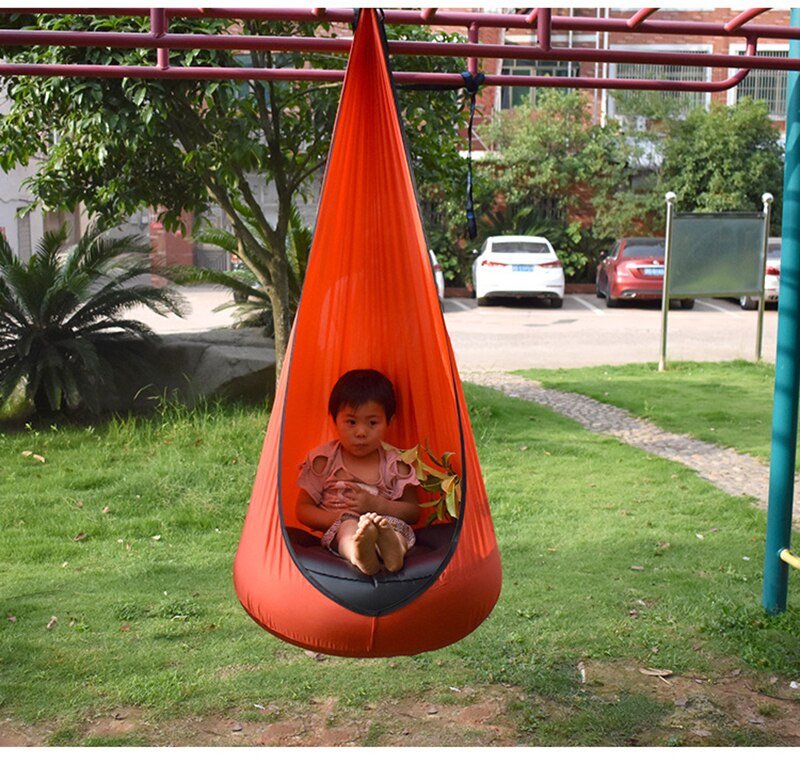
520 247
645 249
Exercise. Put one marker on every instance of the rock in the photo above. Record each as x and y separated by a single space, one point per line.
188 367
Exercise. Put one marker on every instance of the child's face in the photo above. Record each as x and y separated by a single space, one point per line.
361 429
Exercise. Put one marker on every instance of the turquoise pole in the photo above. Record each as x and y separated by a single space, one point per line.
787 362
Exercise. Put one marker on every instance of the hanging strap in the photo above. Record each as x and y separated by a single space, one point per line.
472 83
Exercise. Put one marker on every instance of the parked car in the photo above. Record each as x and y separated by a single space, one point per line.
633 270
518 266
438 275
772 277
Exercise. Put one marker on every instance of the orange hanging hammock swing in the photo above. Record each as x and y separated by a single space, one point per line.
368 302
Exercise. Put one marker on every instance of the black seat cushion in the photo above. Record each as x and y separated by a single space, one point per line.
384 592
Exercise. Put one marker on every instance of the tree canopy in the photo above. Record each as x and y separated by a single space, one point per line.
724 159
553 172
117 145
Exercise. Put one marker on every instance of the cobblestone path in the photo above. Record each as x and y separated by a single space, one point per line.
732 472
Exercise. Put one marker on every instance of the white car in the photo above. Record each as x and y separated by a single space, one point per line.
519 266
438 275
772 277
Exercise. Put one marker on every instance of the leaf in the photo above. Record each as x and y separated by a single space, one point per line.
51 623
409 456
452 505
432 456
440 474
80 537
655 672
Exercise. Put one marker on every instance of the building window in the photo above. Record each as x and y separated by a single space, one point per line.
511 97
767 85
648 104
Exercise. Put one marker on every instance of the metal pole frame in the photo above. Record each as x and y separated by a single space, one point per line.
787 363
670 198
542 19
767 200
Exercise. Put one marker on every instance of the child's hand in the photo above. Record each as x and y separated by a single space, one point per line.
340 498
360 500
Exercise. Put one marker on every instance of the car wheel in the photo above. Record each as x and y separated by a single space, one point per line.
597 291
484 301
748 303
687 303
556 303
612 303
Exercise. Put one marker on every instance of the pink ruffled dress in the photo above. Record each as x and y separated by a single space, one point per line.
327 484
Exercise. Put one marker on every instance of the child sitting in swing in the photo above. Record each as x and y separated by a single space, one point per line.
360 494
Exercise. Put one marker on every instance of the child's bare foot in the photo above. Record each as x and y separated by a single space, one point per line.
391 545
364 555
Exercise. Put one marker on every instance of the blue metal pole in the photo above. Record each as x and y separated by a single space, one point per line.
787 363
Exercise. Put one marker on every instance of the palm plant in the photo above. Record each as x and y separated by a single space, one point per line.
63 329
250 286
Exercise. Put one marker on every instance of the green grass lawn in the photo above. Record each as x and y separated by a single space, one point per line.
118 541
726 403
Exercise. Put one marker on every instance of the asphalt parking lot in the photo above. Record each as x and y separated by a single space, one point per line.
521 334
518 334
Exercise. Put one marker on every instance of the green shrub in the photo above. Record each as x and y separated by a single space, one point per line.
63 328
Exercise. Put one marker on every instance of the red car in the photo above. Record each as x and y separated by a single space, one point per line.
633 270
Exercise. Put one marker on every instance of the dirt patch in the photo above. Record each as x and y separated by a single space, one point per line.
16 735
733 708
470 717
707 710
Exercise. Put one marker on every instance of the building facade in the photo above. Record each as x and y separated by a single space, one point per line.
769 86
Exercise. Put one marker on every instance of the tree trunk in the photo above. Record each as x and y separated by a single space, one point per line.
281 308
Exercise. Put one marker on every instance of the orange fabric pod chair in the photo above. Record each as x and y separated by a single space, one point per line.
369 301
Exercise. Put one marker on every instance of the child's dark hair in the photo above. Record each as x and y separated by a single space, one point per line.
358 387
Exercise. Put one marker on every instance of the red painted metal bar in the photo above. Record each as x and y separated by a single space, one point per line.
543 28
611 55
341 45
739 21
449 18
472 61
184 72
158 26
335 75
428 13
639 17
21 37
592 83
160 39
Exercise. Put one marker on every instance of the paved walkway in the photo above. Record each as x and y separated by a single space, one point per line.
732 472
